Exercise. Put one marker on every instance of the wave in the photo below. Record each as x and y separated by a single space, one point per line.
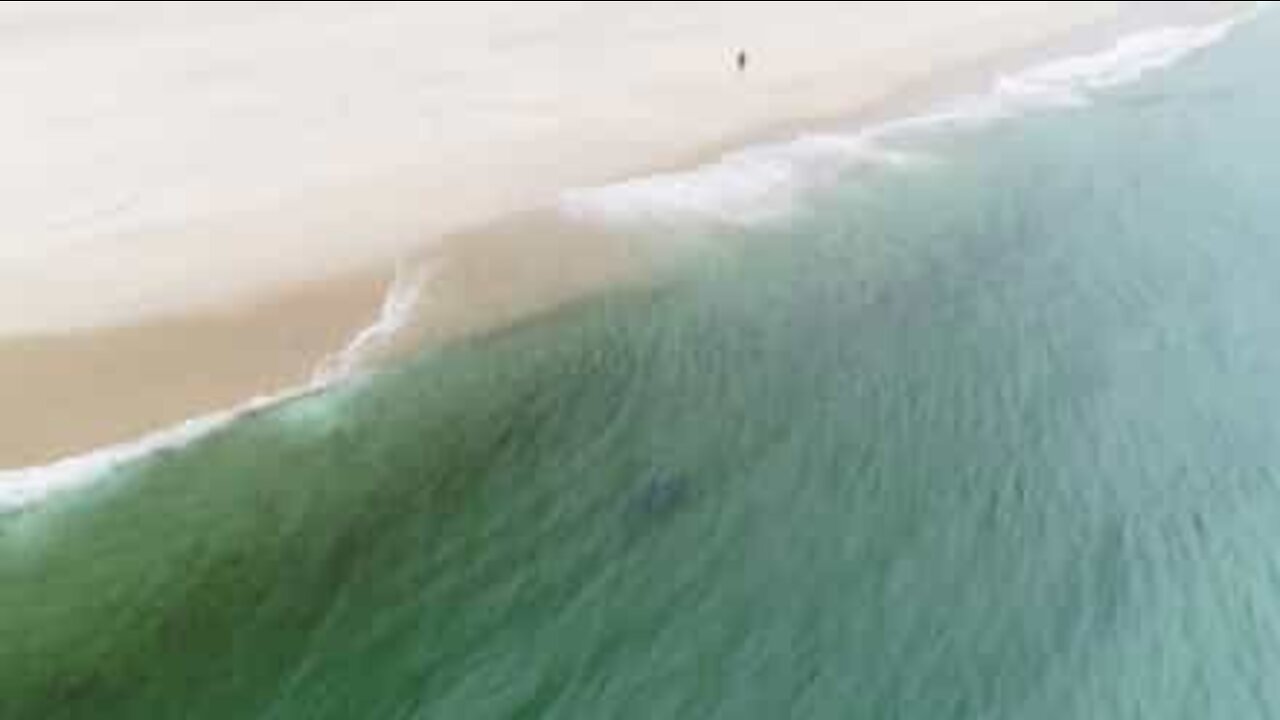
766 182
747 186
1067 82
744 187
397 311
23 487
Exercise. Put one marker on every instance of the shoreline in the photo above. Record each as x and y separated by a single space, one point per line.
165 370
80 391
538 109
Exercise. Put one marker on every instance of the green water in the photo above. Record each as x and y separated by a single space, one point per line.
996 437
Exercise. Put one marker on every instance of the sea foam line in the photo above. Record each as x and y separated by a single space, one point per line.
397 311
768 181
23 487
746 186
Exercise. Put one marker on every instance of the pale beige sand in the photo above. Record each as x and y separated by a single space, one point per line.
67 393
125 320
169 158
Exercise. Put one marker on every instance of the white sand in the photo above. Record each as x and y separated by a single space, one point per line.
159 158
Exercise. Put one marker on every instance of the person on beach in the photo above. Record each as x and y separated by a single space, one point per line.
742 61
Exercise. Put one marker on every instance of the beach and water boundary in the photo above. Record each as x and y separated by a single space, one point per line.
986 431
483 280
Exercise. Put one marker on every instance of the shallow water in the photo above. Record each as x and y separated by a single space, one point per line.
991 436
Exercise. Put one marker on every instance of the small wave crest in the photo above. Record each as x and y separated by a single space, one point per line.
1068 81
744 187
397 310
24 487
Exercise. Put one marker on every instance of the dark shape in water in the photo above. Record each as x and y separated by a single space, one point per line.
660 496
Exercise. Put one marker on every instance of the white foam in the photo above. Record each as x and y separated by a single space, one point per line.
24 487
767 181
1130 59
743 187
397 309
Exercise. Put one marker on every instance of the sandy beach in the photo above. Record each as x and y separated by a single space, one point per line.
206 200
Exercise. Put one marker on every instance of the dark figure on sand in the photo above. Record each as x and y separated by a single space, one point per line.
742 61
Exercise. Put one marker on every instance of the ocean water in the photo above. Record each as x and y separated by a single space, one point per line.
994 433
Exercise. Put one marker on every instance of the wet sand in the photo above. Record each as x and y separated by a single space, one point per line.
63 394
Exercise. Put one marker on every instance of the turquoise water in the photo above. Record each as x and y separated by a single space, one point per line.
993 437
